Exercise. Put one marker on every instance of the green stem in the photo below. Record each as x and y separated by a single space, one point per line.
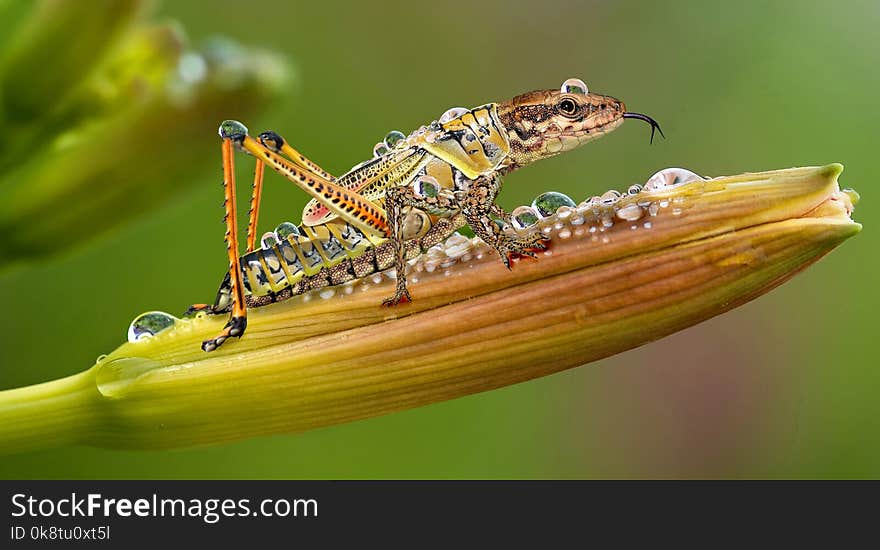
52 414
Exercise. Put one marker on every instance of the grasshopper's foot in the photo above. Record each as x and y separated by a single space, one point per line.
401 296
527 247
235 327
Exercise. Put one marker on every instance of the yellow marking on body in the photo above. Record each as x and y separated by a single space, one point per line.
294 243
268 273
317 239
284 267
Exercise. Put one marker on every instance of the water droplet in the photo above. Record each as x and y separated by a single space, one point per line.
268 240
610 197
523 217
451 114
426 186
574 86
394 138
634 189
564 212
380 149
101 358
676 211
149 324
564 234
647 225
326 294
546 204
285 230
653 209
670 177
630 212
232 129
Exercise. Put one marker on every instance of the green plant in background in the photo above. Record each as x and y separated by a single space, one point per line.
784 386
109 125
657 261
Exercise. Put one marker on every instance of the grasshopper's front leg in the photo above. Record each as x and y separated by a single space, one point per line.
430 199
479 209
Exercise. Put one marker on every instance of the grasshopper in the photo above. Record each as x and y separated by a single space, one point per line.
415 192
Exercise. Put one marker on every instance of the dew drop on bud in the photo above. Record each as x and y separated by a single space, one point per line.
630 212
574 86
393 138
451 114
523 217
147 325
426 186
670 177
547 203
610 197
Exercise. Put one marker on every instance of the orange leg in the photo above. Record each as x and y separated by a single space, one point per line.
347 204
278 144
254 212
238 320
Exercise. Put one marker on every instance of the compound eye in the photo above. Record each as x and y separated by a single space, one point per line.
568 107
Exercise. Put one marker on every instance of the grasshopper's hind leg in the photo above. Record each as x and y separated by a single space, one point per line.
278 144
231 132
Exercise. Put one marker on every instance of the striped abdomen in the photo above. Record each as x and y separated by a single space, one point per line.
307 258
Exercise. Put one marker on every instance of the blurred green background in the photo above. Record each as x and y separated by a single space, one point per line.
783 387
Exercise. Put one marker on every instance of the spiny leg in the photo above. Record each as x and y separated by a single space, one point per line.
396 200
479 209
278 144
347 204
231 132
254 212
525 245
